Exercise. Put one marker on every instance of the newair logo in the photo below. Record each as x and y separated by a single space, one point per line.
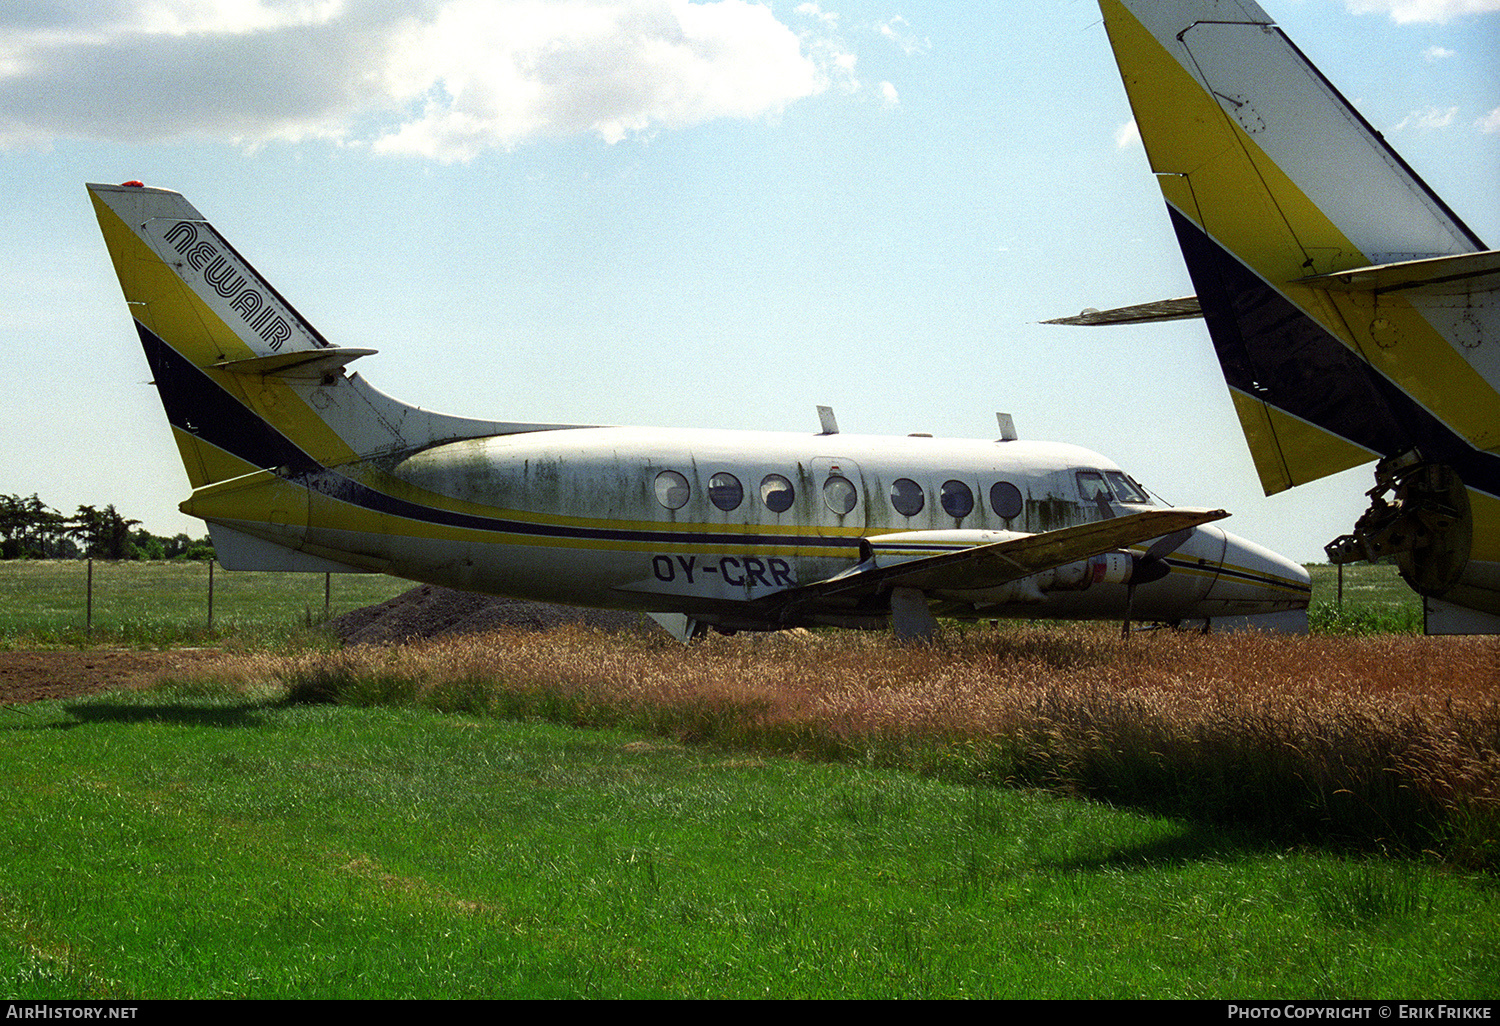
227 276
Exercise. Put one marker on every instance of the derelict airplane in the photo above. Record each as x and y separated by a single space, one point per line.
298 465
1352 312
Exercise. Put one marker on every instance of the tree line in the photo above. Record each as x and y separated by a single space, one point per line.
30 529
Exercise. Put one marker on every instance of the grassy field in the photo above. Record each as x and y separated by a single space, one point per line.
1375 600
46 602
1046 811
173 845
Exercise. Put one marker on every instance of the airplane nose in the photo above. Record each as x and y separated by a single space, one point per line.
1253 579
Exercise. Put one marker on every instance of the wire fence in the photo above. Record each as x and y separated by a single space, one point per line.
95 593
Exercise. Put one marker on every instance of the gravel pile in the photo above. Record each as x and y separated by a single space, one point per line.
428 611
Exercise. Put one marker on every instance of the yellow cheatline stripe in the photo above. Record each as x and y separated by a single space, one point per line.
338 515
262 496
1260 579
1215 174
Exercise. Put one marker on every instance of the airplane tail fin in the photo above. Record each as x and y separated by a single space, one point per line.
260 406
223 345
248 384
1345 300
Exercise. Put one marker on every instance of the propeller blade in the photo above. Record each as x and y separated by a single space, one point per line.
1151 567
1171 543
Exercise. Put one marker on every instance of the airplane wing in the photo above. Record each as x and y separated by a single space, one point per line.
990 566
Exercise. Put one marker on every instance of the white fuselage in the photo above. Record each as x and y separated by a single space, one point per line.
710 522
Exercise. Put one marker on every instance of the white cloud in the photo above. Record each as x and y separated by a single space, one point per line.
889 95
445 79
898 31
810 10
1490 123
1437 53
1127 135
1431 118
579 66
1405 11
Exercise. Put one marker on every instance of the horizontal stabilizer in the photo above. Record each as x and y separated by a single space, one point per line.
312 363
1184 309
1459 274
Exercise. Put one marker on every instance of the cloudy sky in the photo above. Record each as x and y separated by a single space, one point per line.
661 212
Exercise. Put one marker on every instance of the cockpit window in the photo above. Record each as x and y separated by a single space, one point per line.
1093 487
672 489
1126 489
907 497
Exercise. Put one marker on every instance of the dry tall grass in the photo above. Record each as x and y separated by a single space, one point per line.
1389 742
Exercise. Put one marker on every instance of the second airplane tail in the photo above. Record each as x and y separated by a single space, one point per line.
1345 300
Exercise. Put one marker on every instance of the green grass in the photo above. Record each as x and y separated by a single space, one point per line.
441 840
1375 601
44 603
173 845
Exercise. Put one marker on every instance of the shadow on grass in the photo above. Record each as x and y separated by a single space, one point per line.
1194 842
178 713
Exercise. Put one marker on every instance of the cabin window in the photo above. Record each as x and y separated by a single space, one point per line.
1093 487
672 489
777 493
1005 500
957 499
839 494
907 497
725 492
1126 488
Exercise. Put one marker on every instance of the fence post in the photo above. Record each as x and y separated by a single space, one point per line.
210 594
88 626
